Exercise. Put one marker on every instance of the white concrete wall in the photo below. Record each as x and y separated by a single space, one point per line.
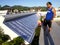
3 12
11 16
6 29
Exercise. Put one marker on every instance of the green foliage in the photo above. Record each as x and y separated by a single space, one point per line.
22 8
0 6
18 40
1 31
5 7
15 41
37 31
6 43
36 38
43 8
3 37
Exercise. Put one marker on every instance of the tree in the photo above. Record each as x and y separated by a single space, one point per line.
43 8
15 41
5 7
0 6
20 8
1 31
3 37
18 41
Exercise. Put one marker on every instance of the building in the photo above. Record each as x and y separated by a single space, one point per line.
15 11
57 9
20 25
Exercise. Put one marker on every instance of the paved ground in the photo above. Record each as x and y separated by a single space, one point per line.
52 38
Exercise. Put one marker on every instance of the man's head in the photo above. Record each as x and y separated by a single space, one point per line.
49 4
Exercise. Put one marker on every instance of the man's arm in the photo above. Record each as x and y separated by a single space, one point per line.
54 11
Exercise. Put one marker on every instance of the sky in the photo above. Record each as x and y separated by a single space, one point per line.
30 3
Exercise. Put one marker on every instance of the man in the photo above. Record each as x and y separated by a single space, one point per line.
51 13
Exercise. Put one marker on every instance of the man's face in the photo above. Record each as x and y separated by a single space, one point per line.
48 5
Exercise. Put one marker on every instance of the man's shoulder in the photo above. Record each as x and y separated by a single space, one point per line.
53 9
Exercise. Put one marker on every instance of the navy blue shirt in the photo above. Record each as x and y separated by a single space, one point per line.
50 14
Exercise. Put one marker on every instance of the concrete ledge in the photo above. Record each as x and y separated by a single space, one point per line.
41 38
12 16
3 12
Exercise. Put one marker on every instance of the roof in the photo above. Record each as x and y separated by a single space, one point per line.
23 26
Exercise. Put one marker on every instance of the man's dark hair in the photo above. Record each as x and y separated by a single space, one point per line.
49 3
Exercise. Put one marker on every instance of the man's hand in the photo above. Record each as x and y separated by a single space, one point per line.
51 20
39 23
